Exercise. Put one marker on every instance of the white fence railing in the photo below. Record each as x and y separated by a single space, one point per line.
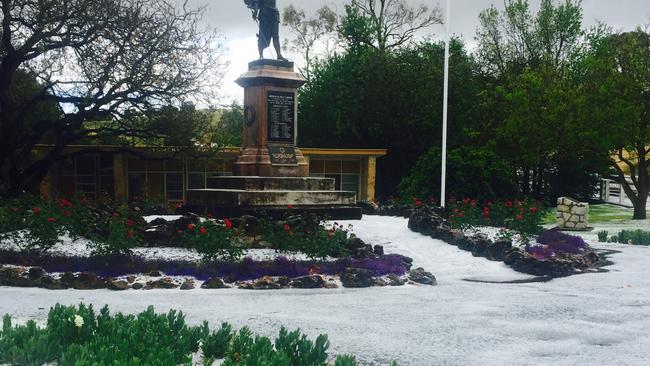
612 192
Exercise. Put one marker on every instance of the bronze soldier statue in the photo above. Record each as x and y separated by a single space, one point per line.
268 16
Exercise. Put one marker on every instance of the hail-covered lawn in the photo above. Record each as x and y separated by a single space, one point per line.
589 319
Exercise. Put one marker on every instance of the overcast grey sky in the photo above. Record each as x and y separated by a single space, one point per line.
233 20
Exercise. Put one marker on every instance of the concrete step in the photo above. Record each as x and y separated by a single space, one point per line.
257 198
271 183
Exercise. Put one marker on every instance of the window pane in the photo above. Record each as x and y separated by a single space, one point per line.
196 180
316 166
350 183
155 185
352 167
174 181
106 164
332 166
136 184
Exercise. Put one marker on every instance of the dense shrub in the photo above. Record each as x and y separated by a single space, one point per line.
214 241
79 336
475 172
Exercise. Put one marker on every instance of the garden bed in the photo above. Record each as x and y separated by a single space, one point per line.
555 254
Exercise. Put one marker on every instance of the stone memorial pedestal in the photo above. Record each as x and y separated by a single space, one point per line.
271 173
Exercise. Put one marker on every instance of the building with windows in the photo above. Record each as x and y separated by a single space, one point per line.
124 175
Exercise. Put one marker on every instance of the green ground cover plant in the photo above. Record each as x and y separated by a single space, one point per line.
77 335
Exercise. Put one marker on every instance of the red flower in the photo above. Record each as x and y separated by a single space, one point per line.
129 222
36 210
178 205
290 207
67 213
461 214
508 203
203 230
520 217
190 227
489 203
209 216
418 203
228 223
473 203
456 210
116 214
130 233
51 219
286 227
533 209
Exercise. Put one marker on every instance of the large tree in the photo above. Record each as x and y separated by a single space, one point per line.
529 60
103 62
617 94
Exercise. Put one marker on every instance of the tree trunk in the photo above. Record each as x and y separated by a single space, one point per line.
639 208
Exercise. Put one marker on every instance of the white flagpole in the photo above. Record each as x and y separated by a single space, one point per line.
443 172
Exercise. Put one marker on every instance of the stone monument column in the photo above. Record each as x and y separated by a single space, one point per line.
270 121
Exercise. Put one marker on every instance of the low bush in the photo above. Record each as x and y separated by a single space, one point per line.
308 235
602 236
32 224
523 217
214 241
79 336
636 237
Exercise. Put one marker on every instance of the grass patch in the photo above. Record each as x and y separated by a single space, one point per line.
601 213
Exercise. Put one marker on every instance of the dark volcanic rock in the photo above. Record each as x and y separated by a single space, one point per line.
378 250
154 274
315 281
266 283
356 277
163 283
36 272
116 285
137 286
419 275
188 284
50 283
480 247
497 251
358 248
88 281
395 280
214 283
407 262
523 262
10 276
